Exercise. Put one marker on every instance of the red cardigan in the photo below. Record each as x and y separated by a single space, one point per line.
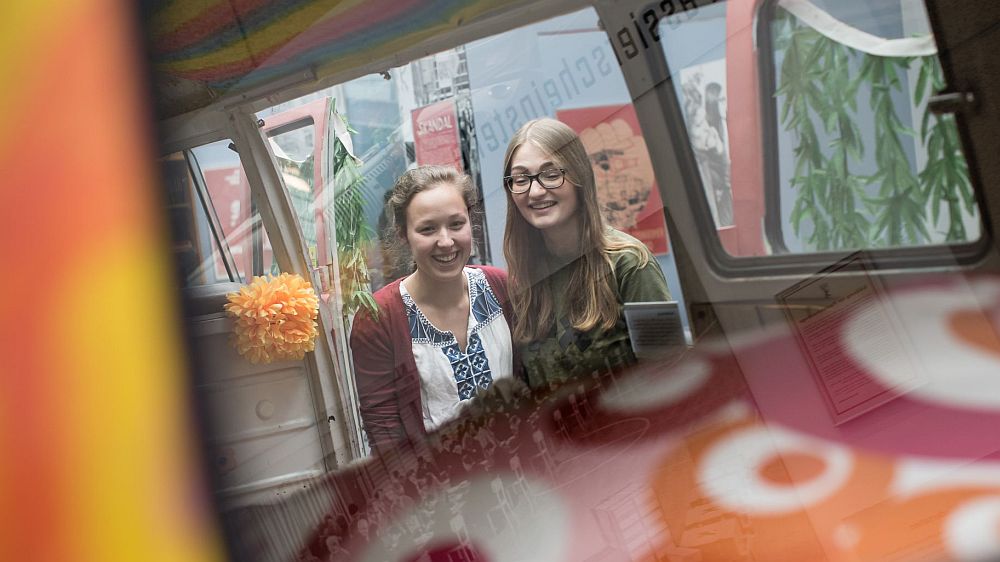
386 373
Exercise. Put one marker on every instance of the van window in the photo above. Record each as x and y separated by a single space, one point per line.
293 147
847 155
218 234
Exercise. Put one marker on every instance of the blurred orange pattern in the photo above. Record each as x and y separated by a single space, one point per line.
97 462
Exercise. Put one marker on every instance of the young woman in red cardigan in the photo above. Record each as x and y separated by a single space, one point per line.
441 334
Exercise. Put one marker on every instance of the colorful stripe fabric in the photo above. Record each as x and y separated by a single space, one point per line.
98 461
234 45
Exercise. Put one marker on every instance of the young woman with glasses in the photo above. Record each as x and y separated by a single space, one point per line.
441 335
569 273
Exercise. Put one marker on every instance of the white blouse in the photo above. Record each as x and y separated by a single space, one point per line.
448 375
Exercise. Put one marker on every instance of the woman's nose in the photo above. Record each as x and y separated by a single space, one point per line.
444 238
535 189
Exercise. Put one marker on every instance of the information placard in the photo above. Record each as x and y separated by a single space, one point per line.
821 309
655 328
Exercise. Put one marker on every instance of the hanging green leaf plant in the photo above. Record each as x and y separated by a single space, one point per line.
843 208
899 207
945 179
353 234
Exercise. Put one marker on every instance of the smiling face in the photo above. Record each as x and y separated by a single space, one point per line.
439 232
552 211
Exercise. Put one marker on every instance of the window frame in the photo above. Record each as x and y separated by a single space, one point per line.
909 257
301 122
215 227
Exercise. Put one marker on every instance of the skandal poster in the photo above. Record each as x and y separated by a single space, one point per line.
435 135
626 186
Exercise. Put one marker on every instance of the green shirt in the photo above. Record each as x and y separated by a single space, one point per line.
567 353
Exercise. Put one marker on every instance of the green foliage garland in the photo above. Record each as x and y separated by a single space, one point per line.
899 207
848 210
353 234
946 177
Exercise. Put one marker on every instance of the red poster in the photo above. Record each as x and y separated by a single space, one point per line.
626 185
435 135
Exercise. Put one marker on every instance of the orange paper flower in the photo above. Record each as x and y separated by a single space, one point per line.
275 318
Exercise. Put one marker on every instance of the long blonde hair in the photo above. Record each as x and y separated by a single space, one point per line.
591 296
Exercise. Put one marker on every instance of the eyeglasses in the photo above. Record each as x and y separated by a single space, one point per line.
550 178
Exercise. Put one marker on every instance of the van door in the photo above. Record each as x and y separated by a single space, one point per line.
274 427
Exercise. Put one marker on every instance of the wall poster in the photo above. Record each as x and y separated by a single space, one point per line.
703 88
626 186
435 135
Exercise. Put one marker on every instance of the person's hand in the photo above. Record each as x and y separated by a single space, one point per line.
502 392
